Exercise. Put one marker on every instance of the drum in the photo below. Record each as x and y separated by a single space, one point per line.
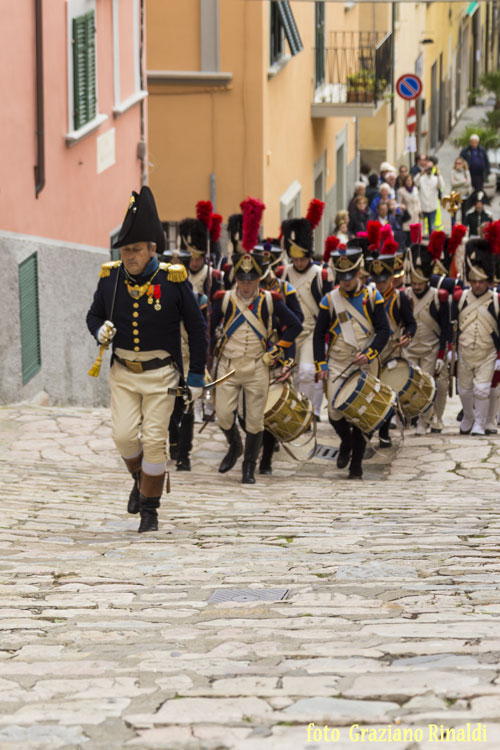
288 414
416 389
365 401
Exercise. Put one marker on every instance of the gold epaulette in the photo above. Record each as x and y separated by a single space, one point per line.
106 268
175 271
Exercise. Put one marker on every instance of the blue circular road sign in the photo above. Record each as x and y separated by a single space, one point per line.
409 86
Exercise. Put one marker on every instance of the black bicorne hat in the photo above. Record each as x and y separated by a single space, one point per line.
478 261
141 222
251 266
421 263
193 235
235 231
297 238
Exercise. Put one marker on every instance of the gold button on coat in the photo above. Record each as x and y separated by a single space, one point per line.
136 341
135 314
137 348
136 304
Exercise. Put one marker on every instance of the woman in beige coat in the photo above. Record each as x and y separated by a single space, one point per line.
409 200
460 181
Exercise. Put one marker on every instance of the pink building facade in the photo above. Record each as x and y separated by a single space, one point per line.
72 121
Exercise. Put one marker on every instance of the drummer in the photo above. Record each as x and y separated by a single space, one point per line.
428 347
272 283
354 319
397 306
245 314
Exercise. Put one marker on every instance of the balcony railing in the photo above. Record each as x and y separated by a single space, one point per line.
358 68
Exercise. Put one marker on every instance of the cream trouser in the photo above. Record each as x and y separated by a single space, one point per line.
475 370
427 363
140 404
251 377
305 373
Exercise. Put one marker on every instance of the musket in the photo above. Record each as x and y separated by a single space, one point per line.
452 365
96 367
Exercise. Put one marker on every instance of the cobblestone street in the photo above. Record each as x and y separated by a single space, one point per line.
386 596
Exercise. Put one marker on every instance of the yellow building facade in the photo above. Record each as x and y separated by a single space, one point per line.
230 114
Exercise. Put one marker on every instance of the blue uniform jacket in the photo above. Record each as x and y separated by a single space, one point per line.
157 329
327 325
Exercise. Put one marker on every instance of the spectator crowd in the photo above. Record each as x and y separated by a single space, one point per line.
402 196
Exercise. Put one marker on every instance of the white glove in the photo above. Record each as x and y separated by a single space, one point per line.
106 332
438 368
195 392
497 365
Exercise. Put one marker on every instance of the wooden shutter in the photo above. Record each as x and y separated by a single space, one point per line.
84 69
30 317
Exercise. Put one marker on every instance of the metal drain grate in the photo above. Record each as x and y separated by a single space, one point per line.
248 595
326 452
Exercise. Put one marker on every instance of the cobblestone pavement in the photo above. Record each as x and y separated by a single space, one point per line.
109 640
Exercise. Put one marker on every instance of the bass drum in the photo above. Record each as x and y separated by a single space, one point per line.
288 414
365 401
416 389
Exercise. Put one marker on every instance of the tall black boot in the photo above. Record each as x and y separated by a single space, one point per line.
185 441
358 451
384 439
343 430
268 442
134 467
151 492
252 448
235 449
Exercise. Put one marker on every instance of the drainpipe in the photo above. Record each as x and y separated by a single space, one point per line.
142 148
40 145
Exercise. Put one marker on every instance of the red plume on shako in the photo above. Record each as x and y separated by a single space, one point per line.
331 244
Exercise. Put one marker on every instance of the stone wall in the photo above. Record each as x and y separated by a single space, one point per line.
67 278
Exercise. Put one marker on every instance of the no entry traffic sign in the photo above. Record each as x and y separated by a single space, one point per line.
409 86
411 120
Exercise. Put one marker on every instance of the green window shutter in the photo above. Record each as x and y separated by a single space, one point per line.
291 30
30 317
84 69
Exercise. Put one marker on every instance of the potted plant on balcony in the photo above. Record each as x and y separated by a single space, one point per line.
352 89
366 86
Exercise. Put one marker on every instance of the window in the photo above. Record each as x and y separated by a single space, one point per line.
283 24
84 70
30 317
290 201
319 24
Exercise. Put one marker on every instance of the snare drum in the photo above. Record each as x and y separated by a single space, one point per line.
288 414
416 389
365 401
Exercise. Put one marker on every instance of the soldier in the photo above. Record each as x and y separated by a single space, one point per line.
354 319
399 313
246 314
477 311
427 348
272 283
181 426
138 305
444 251
194 238
311 283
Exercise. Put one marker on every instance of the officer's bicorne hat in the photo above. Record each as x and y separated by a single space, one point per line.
235 232
478 261
297 234
141 222
382 267
347 260
251 263
193 236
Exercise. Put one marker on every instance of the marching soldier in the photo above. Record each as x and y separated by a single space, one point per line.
181 427
477 311
139 305
194 237
429 344
271 283
311 282
354 319
399 313
444 251
246 315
